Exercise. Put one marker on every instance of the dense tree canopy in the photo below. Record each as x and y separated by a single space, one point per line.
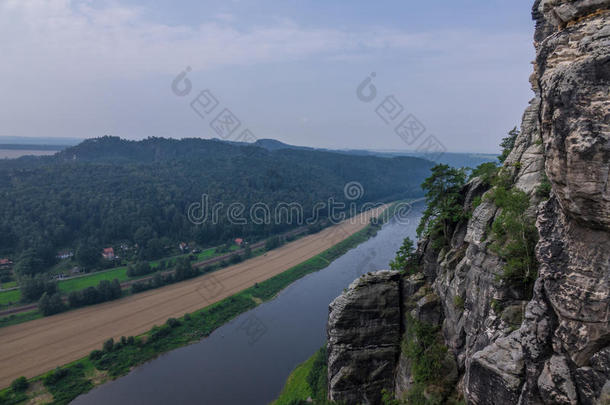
107 191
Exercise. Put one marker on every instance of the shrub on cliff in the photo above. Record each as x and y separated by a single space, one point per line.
444 203
406 259
486 172
424 348
515 236
508 144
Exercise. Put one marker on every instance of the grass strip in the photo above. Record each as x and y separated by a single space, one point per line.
307 381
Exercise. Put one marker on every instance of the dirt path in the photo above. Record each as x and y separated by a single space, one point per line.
34 347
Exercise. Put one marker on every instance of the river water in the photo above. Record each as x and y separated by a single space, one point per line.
247 360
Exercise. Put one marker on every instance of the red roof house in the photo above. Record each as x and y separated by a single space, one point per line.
239 241
108 253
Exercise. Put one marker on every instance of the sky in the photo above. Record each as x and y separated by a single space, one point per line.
300 71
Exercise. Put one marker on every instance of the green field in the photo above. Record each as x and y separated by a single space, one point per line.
9 297
14 319
93 279
13 297
8 285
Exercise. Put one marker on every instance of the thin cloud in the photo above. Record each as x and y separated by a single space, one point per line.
76 39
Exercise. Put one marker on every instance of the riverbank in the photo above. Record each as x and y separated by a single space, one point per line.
191 328
307 381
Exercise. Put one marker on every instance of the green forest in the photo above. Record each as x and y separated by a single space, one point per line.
109 191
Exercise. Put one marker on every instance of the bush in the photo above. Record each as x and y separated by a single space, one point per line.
273 242
424 348
67 383
105 291
544 188
20 384
173 322
96 355
108 345
184 270
247 252
53 377
476 202
139 269
458 302
159 332
486 172
50 305
515 236
314 228
236 258
32 288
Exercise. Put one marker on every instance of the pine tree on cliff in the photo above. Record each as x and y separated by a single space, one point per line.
444 202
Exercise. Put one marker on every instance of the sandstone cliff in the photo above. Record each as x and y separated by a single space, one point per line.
510 345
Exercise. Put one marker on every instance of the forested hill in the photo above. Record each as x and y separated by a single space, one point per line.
107 190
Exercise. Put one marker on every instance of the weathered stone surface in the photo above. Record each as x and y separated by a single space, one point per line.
575 268
555 382
559 354
403 379
495 374
590 384
428 309
363 331
575 114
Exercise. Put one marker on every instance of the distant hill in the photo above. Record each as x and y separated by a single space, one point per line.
454 159
108 190
26 140
272 144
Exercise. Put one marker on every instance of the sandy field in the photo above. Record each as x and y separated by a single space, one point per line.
32 348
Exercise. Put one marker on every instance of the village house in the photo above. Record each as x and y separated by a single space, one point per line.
183 247
5 264
239 241
108 254
65 255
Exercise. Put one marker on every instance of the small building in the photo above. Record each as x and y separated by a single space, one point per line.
238 241
183 247
108 254
5 264
65 255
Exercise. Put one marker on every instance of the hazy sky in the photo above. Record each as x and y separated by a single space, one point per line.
286 69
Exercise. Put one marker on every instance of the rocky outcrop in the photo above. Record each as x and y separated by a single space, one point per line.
549 345
364 328
566 322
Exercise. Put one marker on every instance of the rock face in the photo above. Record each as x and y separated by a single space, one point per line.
512 346
364 328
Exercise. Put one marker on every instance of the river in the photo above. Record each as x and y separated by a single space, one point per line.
247 360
